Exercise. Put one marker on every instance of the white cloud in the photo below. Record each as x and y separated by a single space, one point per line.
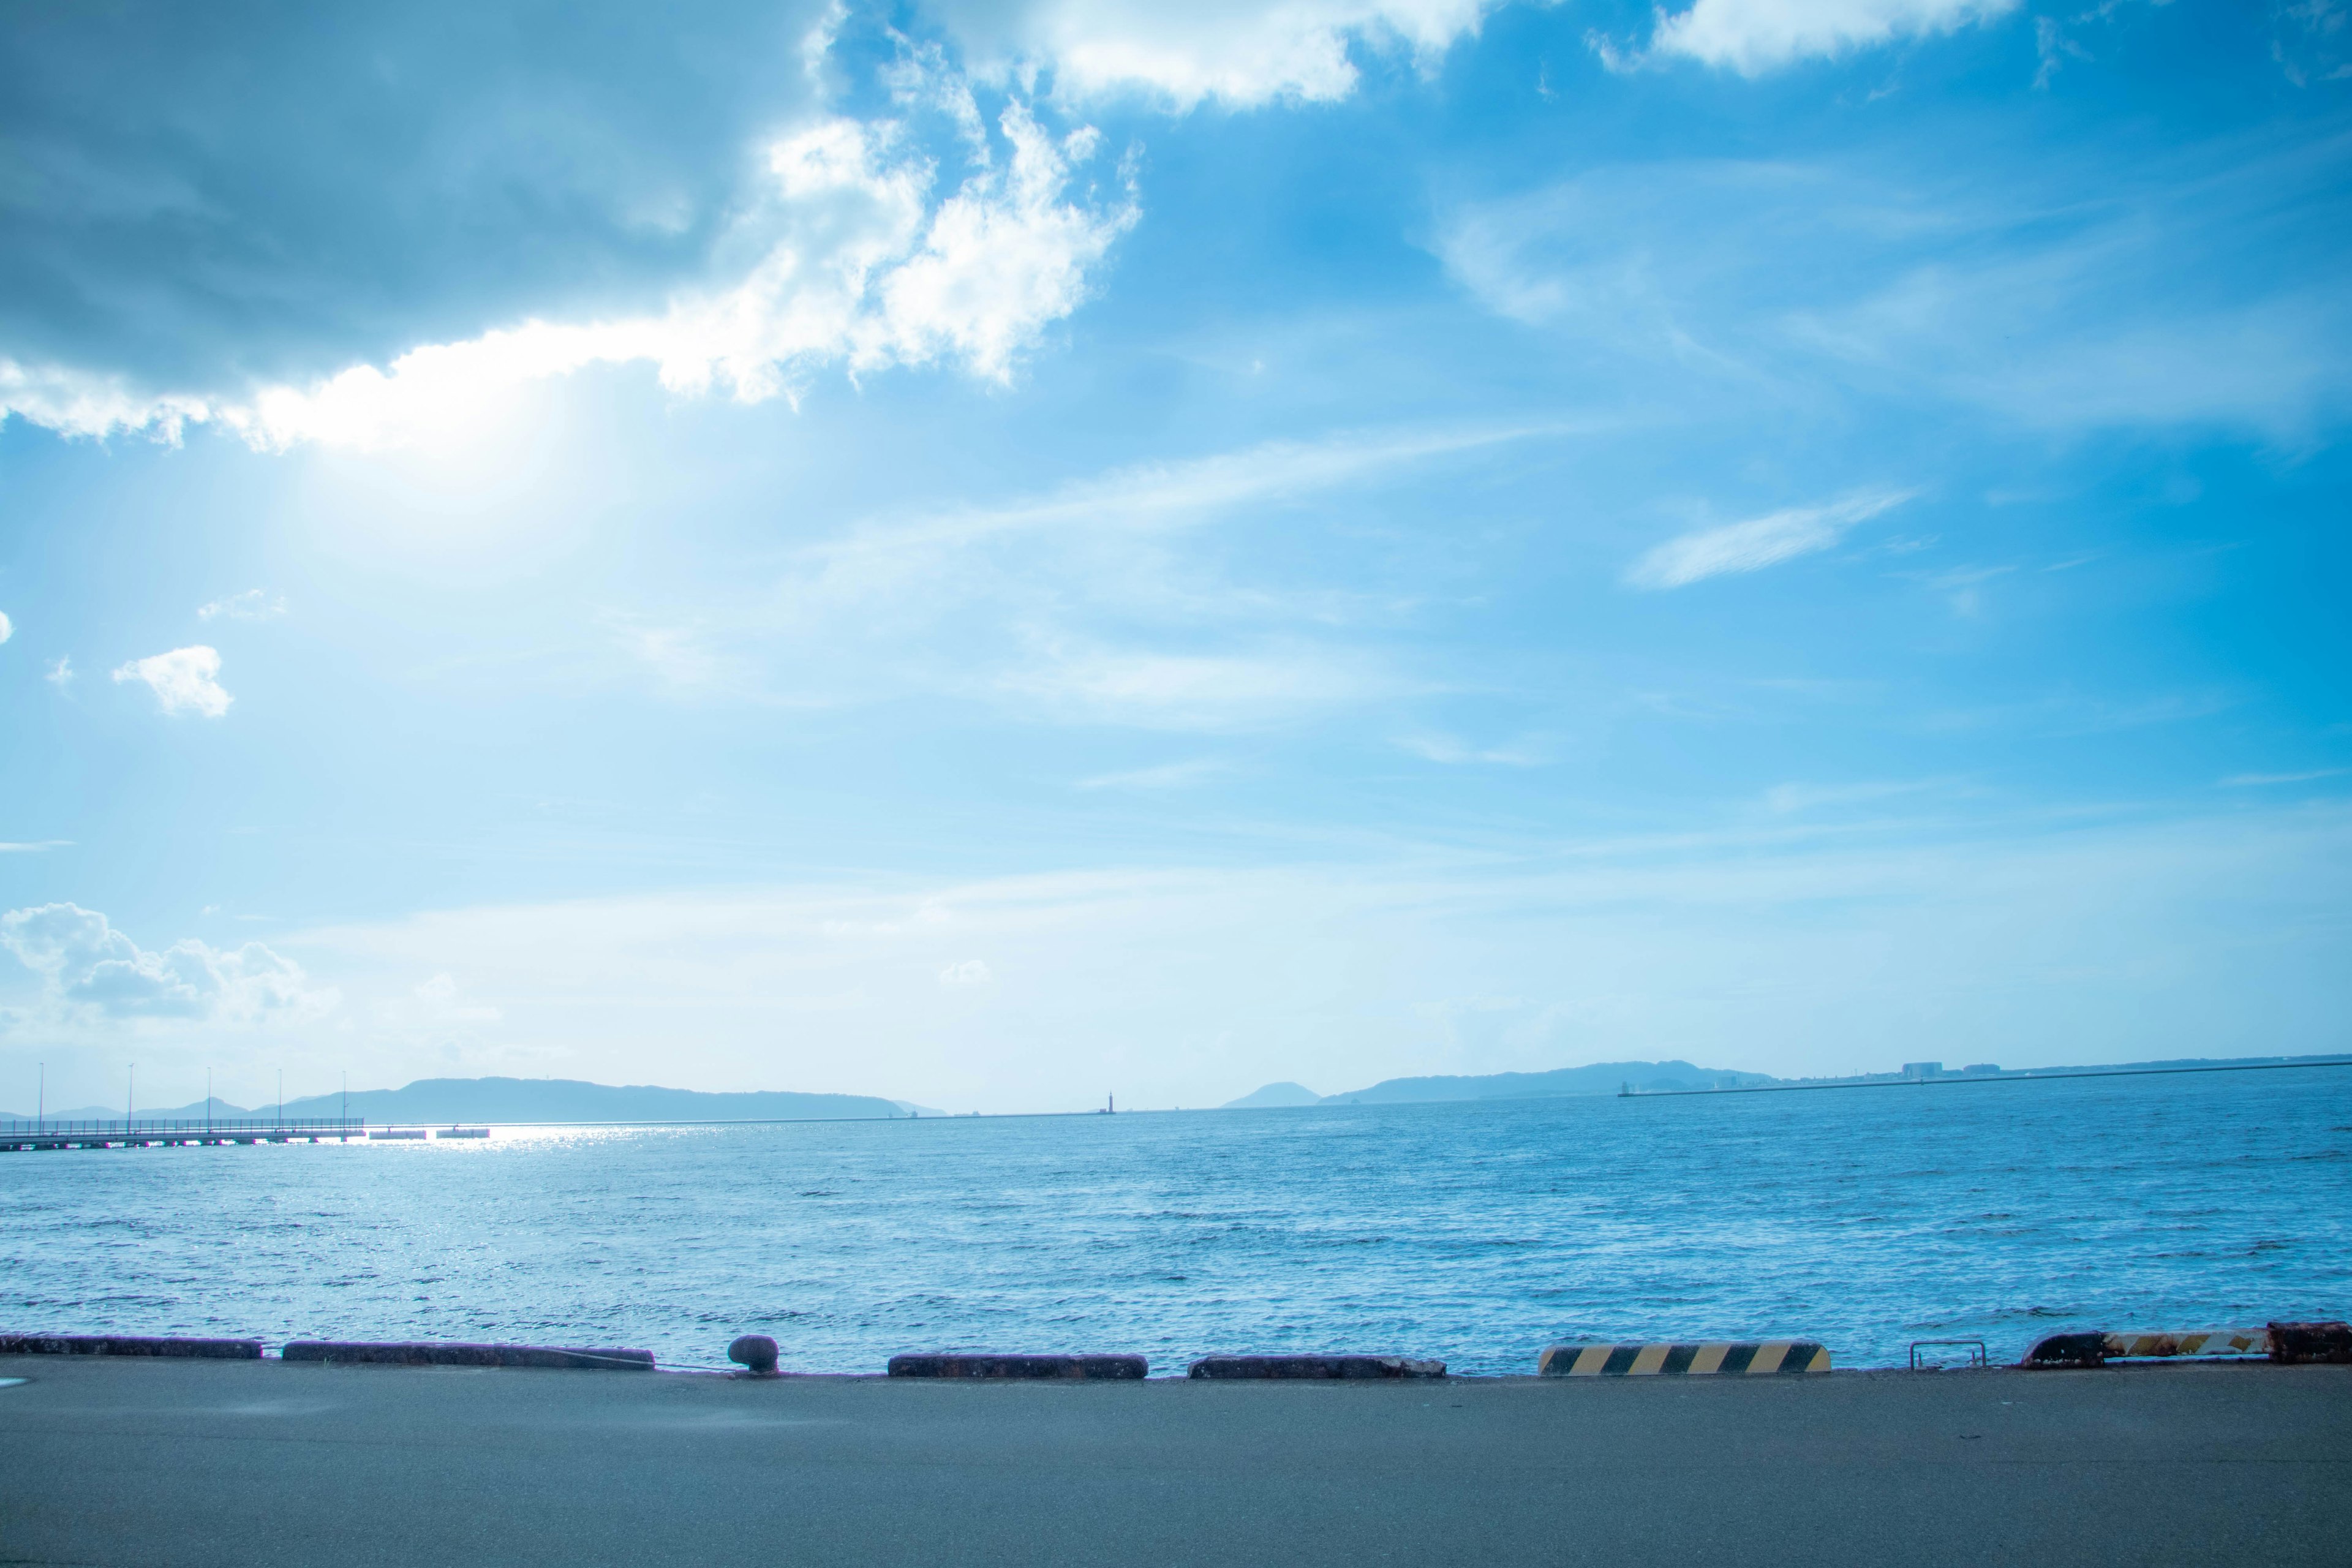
182 681
845 259
253 604
968 972
61 672
89 967
1166 776
438 1001
1187 690
1453 752
1239 53
2258 781
81 403
1752 36
878 559
1759 542
7 628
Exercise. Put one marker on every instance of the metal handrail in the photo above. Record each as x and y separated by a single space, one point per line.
1975 1361
50 1126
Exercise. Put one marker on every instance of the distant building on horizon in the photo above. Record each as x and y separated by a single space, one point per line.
1922 1071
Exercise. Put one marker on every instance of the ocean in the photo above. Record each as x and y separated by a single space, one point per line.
1477 1233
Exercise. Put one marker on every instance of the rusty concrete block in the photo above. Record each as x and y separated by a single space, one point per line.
2311 1341
1314 1366
1116 1367
397 1352
129 1344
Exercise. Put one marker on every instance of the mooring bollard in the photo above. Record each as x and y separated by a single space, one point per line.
1314 1366
756 1354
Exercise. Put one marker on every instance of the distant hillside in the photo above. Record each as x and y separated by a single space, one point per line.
567 1100
1602 1078
527 1099
1274 1094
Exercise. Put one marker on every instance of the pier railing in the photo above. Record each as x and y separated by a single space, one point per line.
51 1133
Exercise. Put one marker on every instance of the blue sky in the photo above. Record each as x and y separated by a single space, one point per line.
995 554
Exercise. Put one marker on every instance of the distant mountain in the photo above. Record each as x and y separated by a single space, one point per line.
568 1099
1602 1078
1274 1094
440 1100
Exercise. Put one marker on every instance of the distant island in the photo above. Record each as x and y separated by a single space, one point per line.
454 1100
1681 1076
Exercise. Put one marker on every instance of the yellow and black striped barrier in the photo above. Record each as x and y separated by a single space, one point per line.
1698 1358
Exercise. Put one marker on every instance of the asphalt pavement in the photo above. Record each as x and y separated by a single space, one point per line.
166 1463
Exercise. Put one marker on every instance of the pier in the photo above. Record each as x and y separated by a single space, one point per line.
139 1133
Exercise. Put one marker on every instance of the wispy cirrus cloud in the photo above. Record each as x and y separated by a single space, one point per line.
1760 541
1166 776
2258 781
2098 291
253 604
1079 603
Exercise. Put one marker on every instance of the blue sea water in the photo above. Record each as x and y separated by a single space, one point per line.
1477 1233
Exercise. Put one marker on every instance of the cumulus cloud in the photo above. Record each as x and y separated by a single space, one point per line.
848 256
195 202
1239 53
89 967
253 604
1753 36
970 972
1759 542
7 628
182 681
61 672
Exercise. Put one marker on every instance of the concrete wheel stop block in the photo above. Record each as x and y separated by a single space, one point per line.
129 1344
1116 1368
399 1352
1315 1366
